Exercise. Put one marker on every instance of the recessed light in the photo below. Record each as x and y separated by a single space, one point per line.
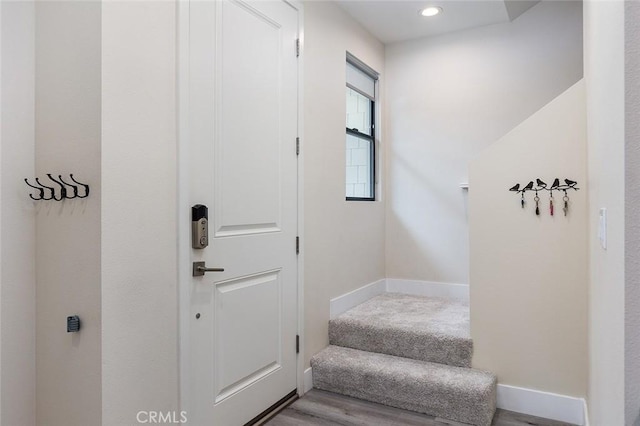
430 11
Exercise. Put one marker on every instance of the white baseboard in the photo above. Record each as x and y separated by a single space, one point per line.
307 381
347 301
428 288
542 404
586 414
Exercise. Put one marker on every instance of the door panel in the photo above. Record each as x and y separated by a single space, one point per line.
248 196
254 347
242 129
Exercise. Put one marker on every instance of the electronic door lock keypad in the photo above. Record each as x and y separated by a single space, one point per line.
199 226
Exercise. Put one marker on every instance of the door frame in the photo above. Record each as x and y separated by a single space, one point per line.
183 227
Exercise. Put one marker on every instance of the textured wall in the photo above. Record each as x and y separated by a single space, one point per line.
529 277
139 247
604 77
343 241
632 213
17 215
68 88
449 97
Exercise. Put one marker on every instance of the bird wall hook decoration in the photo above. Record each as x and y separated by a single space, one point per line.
541 185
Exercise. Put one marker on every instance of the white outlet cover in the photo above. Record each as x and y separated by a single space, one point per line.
602 228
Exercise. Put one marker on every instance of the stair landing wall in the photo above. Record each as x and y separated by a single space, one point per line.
528 273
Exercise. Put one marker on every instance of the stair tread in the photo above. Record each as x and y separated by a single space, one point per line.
409 368
455 393
424 328
419 313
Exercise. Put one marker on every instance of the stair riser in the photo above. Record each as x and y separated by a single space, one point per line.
358 387
461 395
448 350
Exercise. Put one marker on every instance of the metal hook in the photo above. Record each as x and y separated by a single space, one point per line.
75 188
63 189
86 187
41 191
53 193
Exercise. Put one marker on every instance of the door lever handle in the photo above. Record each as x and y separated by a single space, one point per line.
199 269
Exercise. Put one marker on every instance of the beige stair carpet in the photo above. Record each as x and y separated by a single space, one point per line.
453 393
427 329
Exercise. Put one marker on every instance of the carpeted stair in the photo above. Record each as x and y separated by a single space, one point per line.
408 352
428 329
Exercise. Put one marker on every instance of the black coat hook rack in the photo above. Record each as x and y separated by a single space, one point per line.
540 186
60 190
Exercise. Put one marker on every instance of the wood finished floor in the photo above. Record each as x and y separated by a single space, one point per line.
318 408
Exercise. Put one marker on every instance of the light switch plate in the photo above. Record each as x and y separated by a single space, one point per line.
602 228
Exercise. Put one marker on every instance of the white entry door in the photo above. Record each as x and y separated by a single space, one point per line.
243 114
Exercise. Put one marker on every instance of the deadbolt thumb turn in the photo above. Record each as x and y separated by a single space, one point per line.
199 269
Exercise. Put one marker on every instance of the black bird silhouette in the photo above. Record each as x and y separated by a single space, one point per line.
556 183
515 187
541 184
571 183
529 186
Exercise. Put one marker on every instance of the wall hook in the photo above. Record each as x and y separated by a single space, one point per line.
49 188
63 189
64 193
75 188
540 185
86 187
40 191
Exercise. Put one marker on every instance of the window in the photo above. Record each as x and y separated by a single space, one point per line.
360 131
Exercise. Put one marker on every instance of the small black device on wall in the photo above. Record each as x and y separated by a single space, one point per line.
73 324
199 226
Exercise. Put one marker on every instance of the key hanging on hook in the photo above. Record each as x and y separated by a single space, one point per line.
551 203
566 202
516 188
525 189
537 200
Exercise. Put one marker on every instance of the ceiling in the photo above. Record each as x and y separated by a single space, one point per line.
393 21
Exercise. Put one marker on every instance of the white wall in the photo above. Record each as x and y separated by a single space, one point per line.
139 225
529 276
604 75
17 216
451 97
343 241
68 57
632 213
